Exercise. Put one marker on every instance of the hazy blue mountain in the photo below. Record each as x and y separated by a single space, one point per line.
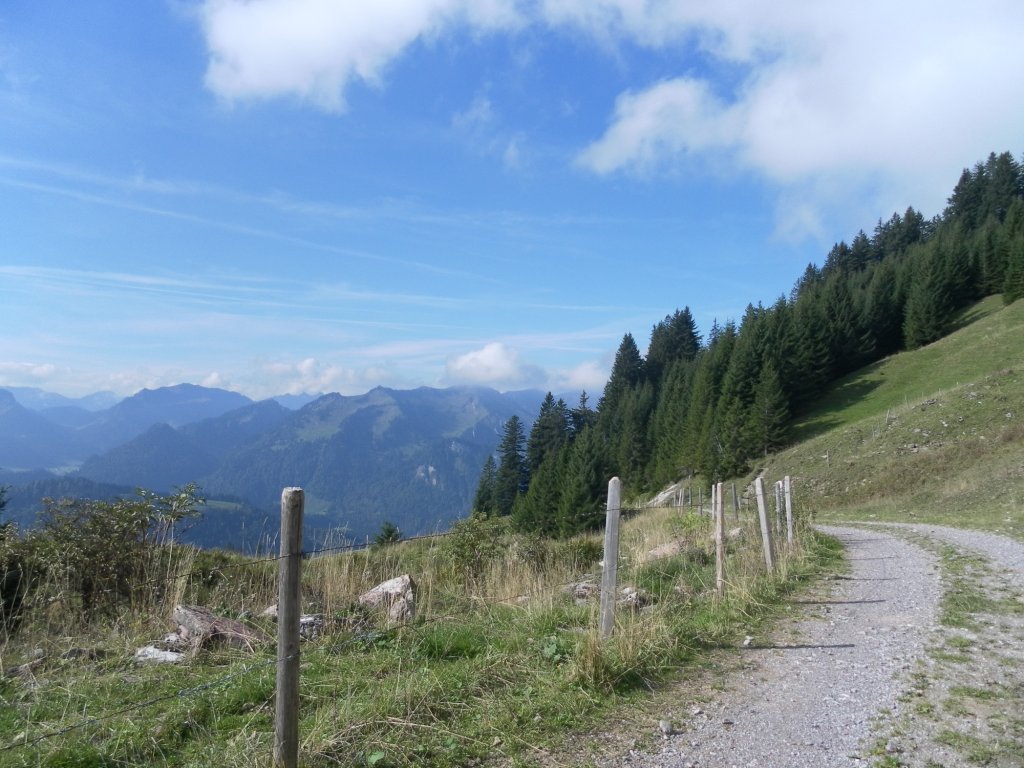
65 435
71 416
177 405
294 402
409 456
38 399
163 457
29 440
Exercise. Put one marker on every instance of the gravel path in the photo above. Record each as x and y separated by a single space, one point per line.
810 701
867 676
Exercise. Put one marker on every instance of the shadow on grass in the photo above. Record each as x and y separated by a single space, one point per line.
826 414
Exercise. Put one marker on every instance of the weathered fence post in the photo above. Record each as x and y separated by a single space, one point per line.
766 530
700 500
609 585
735 502
778 509
788 487
286 721
718 510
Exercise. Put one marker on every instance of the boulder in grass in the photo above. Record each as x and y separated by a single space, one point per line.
669 549
200 626
634 598
583 591
398 595
150 654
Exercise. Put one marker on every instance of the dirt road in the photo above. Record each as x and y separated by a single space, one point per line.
868 673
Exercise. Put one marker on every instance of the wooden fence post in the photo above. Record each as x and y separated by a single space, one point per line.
700 500
766 530
788 488
735 502
286 721
718 508
609 577
778 509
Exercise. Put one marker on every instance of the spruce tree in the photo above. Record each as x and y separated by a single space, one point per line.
485 502
549 433
536 511
769 415
582 416
927 308
512 476
584 486
1013 284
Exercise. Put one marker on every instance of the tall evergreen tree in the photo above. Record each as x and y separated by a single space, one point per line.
582 416
512 477
1013 284
927 309
769 414
627 371
536 511
585 485
549 433
674 338
485 502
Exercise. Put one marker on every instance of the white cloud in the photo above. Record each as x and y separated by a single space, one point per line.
657 125
494 365
827 102
314 375
871 96
314 49
589 375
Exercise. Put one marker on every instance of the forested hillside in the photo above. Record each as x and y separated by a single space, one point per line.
712 406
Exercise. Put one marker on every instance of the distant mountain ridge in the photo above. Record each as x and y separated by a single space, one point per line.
409 456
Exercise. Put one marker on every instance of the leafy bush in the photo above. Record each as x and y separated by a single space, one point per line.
472 545
98 551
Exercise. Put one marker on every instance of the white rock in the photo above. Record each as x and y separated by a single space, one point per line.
150 654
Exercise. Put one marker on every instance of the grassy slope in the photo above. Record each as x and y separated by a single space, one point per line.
932 435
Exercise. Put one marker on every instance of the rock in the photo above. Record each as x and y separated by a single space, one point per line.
634 598
670 549
200 625
584 591
26 669
310 626
397 594
150 654
270 612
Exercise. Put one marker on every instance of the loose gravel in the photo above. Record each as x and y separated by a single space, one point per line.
814 701
866 675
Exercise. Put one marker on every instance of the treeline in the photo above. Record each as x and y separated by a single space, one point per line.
711 406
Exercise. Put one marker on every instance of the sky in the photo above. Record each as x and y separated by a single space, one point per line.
287 196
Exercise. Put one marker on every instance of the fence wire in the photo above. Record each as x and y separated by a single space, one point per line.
355 640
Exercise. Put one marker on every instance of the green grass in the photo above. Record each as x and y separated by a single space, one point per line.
932 435
472 679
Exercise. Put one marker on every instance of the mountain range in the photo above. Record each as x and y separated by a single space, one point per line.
412 457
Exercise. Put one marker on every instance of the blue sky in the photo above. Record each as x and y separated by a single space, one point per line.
283 196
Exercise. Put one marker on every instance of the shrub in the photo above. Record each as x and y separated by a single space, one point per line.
102 551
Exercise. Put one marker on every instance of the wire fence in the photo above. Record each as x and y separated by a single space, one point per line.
337 647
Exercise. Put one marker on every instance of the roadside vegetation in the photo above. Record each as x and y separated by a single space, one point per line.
502 658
